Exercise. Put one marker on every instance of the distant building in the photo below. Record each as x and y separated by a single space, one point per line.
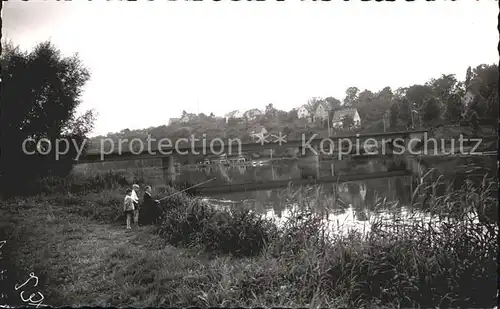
258 132
302 112
321 112
234 115
188 117
253 114
174 121
338 117
257 128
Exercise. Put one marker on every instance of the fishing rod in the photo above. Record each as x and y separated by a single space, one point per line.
206 181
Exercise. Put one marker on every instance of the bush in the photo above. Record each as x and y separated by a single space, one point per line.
194 223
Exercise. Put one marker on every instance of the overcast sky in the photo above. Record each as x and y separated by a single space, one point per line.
151 60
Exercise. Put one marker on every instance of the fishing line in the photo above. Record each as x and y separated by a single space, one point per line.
187 188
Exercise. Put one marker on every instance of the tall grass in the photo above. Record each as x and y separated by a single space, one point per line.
446 258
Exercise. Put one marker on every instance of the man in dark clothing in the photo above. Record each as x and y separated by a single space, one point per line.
150 211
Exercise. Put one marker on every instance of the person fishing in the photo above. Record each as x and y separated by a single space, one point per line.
150 207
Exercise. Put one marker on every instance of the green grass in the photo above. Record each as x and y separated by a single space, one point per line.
201 256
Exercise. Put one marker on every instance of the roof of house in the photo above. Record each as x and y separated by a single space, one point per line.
340 114
321 105
233 114
253 112
325 105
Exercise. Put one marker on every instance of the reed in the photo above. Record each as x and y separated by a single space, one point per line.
202 255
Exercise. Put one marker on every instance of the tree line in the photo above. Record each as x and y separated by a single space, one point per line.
444 100
41 91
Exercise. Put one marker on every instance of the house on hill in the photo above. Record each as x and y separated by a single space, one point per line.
234 115
258 131
339 115
253 114
174 121
321 112
257 128
188 117
302 113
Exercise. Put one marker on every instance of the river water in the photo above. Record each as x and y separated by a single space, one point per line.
344 205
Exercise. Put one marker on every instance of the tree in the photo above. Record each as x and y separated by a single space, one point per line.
312 104
430 112
40 96
401 111
281 117
386 94
393 116
364 105
484 85
293 115
449 93
270 111
347 122
468 77
333 103
351 96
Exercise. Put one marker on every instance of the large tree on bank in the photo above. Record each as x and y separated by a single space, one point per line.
41 91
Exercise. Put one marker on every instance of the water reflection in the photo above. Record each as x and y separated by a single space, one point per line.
350 204
283 170
354 202
361 197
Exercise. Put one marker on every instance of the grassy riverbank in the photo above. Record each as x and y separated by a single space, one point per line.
201 256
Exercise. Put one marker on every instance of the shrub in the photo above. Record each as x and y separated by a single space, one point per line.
190 222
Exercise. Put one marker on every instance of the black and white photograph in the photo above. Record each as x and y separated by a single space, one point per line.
249 153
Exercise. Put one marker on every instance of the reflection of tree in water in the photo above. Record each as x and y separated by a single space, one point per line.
208 170
396 163
372 193
458 181
278 207
223 170
357 201
362 190
260 201
402 190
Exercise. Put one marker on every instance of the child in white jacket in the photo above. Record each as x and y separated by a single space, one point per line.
128 207
135 198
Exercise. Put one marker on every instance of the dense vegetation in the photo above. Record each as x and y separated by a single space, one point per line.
202 256
71 235
40 94
441 101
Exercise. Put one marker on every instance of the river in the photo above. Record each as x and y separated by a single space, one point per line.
345 205
382 186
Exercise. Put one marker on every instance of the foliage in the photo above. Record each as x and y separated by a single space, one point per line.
447 260
41 92
347 122
191 223
440 101
351 96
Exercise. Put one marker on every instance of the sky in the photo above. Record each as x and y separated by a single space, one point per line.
149 61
